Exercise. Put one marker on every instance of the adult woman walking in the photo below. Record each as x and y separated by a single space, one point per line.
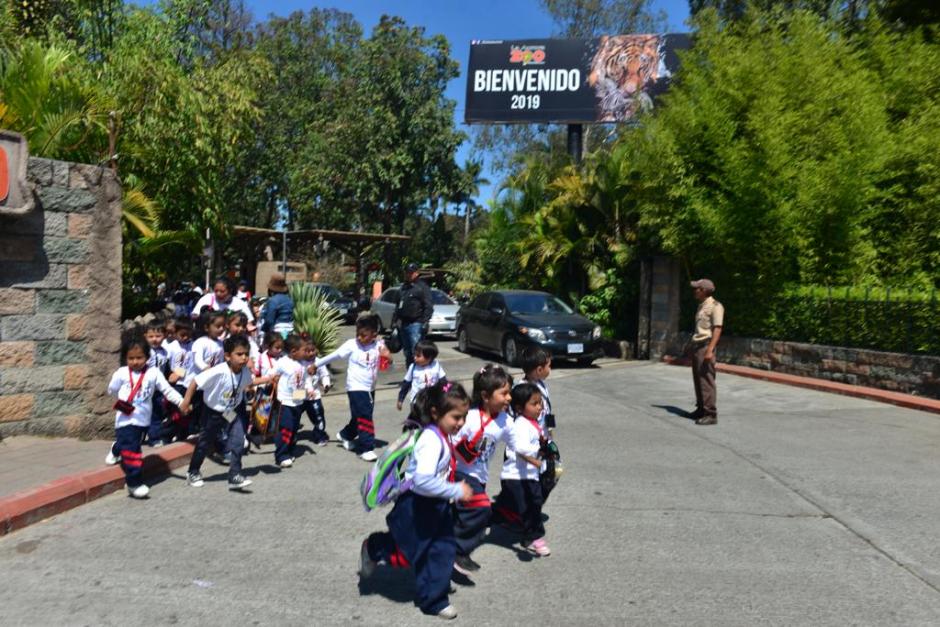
221 298
278 312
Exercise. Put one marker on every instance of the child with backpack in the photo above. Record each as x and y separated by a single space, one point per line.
487 423
421 525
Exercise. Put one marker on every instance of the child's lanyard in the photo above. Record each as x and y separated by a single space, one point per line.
135 387
535 423
484 420
231 403
452 462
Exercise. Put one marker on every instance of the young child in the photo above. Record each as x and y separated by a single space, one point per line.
169 333
289 374
159 359
207 350
223 387
537 365
273 349
363 354
423 373
420 525
317 381
487 423
133 385
182 371
521 500
236 323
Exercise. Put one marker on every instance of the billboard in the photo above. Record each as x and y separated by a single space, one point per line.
609 79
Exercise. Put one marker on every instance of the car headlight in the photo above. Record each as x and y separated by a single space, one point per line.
596 334
536 334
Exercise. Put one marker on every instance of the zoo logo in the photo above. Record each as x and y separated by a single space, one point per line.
527 55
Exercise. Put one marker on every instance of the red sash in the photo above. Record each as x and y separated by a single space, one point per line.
135 388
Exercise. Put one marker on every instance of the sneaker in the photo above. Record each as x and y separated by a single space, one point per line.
227 459
286 463
238 482
448 613
707 420
192 437
156 443
347 444
369 456
465 565
538 547
139 492
195 480
366 564
322 442
112 459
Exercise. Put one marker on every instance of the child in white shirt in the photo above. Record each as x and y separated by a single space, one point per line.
521 500
223 387
317 381
134 385
289 374
160 360
182 371
363 354
423 373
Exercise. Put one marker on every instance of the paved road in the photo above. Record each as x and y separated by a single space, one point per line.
798 508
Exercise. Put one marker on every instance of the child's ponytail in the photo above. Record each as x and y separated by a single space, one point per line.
487 380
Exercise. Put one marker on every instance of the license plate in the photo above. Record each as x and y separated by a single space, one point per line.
575 348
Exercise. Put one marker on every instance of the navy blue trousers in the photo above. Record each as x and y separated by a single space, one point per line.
127 441
155 431
314 411
420 534
472 516
286 436
520 502
360 422
215 425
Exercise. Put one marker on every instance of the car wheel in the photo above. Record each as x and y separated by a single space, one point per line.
510 351
463 342
585 362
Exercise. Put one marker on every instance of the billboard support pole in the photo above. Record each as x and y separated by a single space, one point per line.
576 142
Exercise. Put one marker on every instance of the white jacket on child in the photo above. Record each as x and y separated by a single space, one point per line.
363 367
430 467
207 353
222 389
421 377
313 383
290 385
181 360
120 387
526 440
497 429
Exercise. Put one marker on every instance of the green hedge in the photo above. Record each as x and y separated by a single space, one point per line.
883 319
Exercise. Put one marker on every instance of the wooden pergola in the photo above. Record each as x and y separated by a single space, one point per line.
354 243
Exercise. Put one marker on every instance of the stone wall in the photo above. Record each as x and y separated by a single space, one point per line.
60 303
908 374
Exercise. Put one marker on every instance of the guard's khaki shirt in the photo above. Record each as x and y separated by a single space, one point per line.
710 314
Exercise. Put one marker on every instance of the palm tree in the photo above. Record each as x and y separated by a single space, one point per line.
60 116
472 171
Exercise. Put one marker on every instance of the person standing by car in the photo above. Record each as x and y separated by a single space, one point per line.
413 313
708 323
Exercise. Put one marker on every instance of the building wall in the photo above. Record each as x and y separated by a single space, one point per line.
60 303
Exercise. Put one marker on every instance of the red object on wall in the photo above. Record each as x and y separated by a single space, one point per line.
4 175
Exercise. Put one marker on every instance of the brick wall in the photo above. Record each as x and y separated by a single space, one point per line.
60 302
909 374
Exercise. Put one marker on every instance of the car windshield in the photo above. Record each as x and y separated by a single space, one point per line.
440 298
535 304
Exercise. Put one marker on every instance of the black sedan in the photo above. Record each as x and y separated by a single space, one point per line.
506 321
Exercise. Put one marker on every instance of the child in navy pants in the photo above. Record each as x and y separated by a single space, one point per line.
421 524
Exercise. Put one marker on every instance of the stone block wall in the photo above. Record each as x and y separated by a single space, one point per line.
908 374
60 303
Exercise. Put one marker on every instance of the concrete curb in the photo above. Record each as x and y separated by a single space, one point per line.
873 394
30 506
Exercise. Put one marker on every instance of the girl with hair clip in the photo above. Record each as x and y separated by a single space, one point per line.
421 524
487 423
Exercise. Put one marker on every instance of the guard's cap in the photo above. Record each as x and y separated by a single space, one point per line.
411 267
705 284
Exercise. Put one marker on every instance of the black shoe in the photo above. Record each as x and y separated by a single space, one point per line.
707 420
695 415
238 482
465 565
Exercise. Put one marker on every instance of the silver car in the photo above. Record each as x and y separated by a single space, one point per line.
443 318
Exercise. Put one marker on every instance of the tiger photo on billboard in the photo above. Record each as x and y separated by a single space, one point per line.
623 69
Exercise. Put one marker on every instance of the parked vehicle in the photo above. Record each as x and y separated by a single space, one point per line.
506 321
443 318
344 305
